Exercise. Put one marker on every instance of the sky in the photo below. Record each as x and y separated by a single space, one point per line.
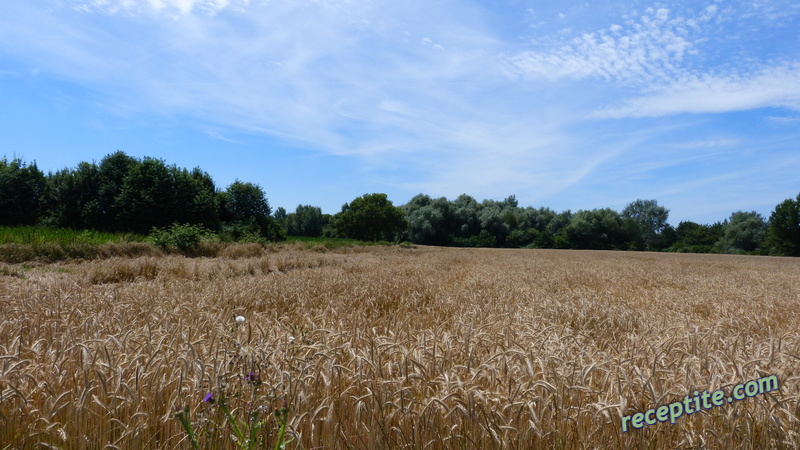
565 104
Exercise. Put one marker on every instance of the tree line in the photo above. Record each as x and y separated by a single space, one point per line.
126 194
641 225
123 193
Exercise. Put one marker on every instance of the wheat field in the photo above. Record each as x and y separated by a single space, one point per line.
390 347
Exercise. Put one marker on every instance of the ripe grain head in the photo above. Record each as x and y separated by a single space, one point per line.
389 347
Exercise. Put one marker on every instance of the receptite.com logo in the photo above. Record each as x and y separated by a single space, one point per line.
698 402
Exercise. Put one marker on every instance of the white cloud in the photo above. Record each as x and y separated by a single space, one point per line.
771 87
641 51
418 89
647 59
428 42
782 120
708 143
157 6
709 12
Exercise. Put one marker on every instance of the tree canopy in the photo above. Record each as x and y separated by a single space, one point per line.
306 220
22 191
371 217
650 218
744 232
123 193
783 233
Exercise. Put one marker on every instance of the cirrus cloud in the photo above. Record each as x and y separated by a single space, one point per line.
182 7
707 94
440 97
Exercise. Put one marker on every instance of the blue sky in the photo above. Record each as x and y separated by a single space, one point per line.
569 105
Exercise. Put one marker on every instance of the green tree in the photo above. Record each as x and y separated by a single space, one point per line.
536 218
307 221
196 198
652 220
521 238
429 220
744 232
632 229
22 192
696 238
598 229
280 217
559 222
482 239
73 197
247 211
371 217
245 201
427 225
126 194
418 201
156 195
666 238
783 233
492 218
111 175
145 199
464 217
528 227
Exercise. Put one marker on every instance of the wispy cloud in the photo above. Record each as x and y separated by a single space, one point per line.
771 87
784 120
181 7
436 97
709 143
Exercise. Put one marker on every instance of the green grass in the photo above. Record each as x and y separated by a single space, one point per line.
27 243
37 236
329 243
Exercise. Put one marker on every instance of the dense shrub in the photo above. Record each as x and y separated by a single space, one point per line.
183 237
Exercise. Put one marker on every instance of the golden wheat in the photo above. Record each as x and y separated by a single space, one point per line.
399 348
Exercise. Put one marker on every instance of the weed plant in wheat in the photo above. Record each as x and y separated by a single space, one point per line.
245 431
390 347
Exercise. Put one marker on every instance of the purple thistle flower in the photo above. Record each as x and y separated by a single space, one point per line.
253 378
209 398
